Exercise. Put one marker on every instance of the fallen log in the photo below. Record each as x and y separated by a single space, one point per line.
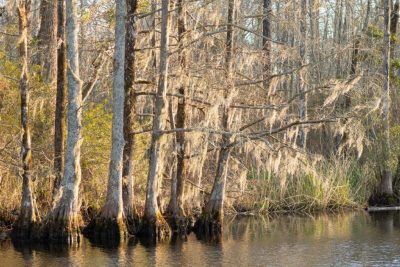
374 209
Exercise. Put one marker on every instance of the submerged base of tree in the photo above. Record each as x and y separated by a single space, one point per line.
110 230
383 200
208 227
133 223
23 230
62 226
154 228
180 226
60 229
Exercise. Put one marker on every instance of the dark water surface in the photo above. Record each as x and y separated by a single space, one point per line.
349 239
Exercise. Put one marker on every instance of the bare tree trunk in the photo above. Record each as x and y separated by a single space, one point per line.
367 14
111 225
386 174
154 225
28 213
354 56
48 40
394 20
59 122
267 42
338 35
65 219
301 137
179 221
210 222
129 111
344 101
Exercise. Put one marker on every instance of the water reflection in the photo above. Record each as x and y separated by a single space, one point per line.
323 240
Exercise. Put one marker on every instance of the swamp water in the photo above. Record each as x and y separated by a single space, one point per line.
345 239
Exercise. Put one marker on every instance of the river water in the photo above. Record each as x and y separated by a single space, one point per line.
345 239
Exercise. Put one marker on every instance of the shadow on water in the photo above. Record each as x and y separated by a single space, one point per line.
385 220
354 238
112 243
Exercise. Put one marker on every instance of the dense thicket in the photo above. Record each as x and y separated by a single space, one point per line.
178 111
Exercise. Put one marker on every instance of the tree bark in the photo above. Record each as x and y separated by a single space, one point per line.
28 213
47 40
111 225
129 109
65 219
209 224
60 116
154 225
176 205
386 174
301 137
267 12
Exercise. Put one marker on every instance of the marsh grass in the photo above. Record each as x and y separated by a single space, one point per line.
332 185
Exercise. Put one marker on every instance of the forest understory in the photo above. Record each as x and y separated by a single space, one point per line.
155 117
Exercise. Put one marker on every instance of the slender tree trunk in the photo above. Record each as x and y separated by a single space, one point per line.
338 35
301 138
386 174
210 222
111 223
154 225
65 219
59 123
28 212
129 110
344 102
176 205
267 12
394 20
354 56
47 40
367 15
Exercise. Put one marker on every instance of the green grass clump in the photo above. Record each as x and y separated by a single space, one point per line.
330 186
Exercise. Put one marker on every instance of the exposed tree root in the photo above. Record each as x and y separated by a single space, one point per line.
26 223
133 223
61 226
180 224
155 228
